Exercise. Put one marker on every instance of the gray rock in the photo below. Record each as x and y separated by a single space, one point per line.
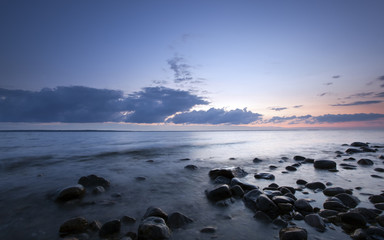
227 172
315 185
267 176
354 219
315 221
332 191
293 233
73 226
219 193
348 200
93 181
110 228
178 220
365 162
324 164
70 193
245 186
155 212
153 228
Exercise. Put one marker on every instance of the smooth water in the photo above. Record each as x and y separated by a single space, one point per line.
33 165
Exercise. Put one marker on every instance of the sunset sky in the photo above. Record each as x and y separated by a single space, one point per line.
174 65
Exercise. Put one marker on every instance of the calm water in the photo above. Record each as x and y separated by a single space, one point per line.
33 165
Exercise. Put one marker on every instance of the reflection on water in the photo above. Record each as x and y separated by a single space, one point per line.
34 165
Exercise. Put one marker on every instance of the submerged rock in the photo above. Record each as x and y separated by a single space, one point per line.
293 233
153 228
353 150
191 167
208 230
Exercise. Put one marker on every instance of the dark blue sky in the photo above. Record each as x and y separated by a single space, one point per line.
266 56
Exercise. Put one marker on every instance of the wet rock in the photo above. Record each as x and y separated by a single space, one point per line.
379 169
365 162
93 181
257 160
348 166
155 212
227 172
302 205
315 221
380 220
376 199
272 167
293 233
326 213
185 159
309 160
379 206
262 217
110 228
267 176
298 158
315 185
353 151
208 230
73 226
265 204
70 193
283 199
348 200
354 219
191 167
98 190
335 204
178 220
332 191
250 198
296 165
219 193
367 149
153 228
128 219
290 168
368 214
359 144
349 159
324 164
376 176
287 189
280 223
237 191
370 233
290 195
222 180
245 186
301 182
285 207
140 179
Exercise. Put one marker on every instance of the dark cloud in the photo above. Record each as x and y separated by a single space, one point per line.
355 103
216 116
382 85
337 118
78 104
328 83
336 76
379 94
278 108
381 78
154 105
298 106
181 70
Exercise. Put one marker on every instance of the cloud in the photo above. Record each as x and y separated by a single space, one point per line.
355 103
336 76
328 83
278 108
180 69
327 118
293 119
298 106
379 94
360 95
216 116
323 94
77 104
381 78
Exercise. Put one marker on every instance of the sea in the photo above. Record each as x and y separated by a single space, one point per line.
148 169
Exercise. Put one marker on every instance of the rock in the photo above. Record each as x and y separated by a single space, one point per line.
379 206
128 219
245 186
283 199
250 198
208 230
368 214
153 228
335 204
73 226
272 167
257 160
131 235
324 164
365 162
262 217
155 212
367 149
348 166
70 193
315 221
227 172
280 223
191 167
285 207
273 185
219 193
265 204
354 219
298 216
353 150
178 220
267 176
370 233
293 233
348 200
315 185
140 179
376 199
93 181
301 182
98 190
349 159
94 226
380 220
359 144
302 205
326 213
185 159
298 158
309 160
237 191
290 168
376 176
110 228
332 191
222 180
379 169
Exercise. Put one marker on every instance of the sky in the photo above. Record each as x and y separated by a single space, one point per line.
174 65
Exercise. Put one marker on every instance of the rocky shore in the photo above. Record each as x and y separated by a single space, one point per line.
276 205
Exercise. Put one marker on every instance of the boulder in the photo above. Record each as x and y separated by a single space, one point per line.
178 220
153 228
335 204
155 212
293 233
250 198
326 213
324 164
110 228
283 199
219 193
70 193
315 221
265 204
73 226
93 181
267 176
368 214
227 172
